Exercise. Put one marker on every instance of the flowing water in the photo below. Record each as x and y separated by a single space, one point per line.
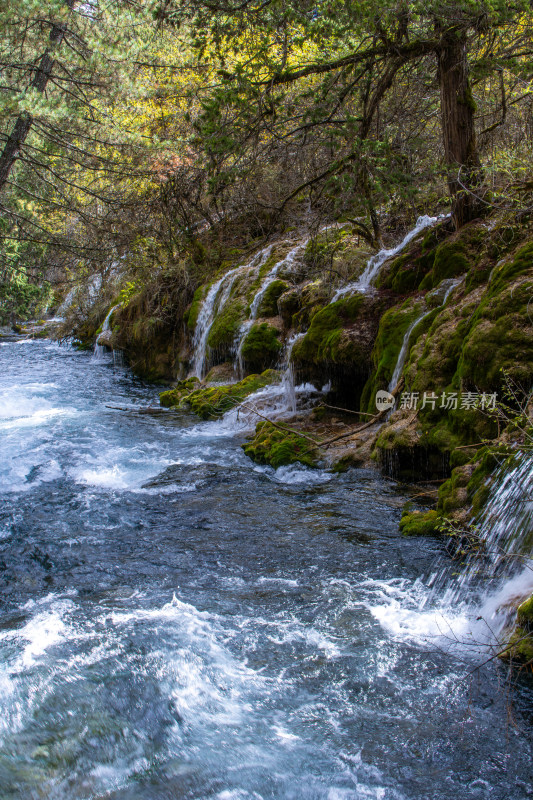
213 303
446 288
371 271
102 340
177 623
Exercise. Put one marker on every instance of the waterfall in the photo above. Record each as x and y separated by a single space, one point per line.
375 263
502 569
288 261
242 333
277 401
103 337
215 300
449 285
478 603
287 383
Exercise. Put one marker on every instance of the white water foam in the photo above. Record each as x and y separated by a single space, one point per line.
470 615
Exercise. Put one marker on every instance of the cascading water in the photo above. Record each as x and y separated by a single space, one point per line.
374 264
286 263
102 340
206 317
502 569
215 300
448 285
288 385
277 401
467 609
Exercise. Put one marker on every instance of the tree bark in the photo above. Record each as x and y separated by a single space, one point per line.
22 126
459 135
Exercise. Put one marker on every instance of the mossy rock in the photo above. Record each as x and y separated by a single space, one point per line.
260 349
518 647
289 303
420 523
519 640
500 335
191 315
173 397
212 401
314 295
406 272
392 328
524 614
278 448
457 255
520 264
453 495
432 366
269 303
324 341
226 325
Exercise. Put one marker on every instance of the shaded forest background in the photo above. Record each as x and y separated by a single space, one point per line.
155 138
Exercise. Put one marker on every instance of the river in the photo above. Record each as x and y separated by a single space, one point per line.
179 623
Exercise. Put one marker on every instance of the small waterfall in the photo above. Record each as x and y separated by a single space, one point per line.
497 575
103 338
277 401
215 300
287 384
449 285
118 358
288 261
242 333
374 264
505 530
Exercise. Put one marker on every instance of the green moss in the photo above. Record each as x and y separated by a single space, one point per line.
278 448
406 272
226 324
451 260
212 401
261 346
289 304
324 340
420 523
520 638
269 304
453 495
519 265
456 255
435 364
173 397
191 316
524 614
501 330
392 328
519 646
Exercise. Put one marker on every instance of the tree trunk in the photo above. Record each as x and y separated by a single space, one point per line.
24 122
459 135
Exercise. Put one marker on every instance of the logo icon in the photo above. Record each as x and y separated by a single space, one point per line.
384 400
